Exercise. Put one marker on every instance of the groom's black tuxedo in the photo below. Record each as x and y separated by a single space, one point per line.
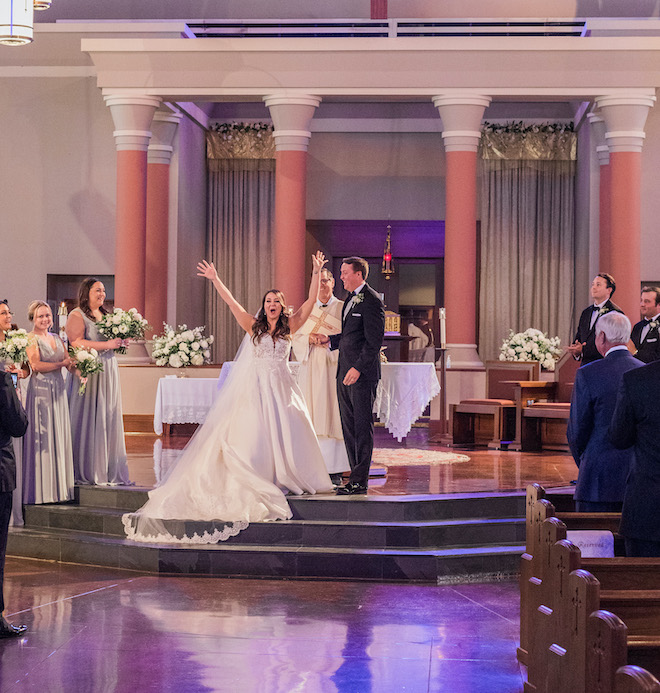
363 327
587 333
648 350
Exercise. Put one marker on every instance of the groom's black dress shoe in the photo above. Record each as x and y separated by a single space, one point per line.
352 489
9 631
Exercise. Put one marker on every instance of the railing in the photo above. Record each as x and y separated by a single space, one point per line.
347 28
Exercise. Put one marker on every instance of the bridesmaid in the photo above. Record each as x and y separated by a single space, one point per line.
47 452
16 519
97 428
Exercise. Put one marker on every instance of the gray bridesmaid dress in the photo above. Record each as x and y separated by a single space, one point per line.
47 451
97 428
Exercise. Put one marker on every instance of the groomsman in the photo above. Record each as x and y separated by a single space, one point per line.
584 345
645 333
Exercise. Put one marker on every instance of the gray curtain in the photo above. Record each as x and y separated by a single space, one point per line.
239 242
527 267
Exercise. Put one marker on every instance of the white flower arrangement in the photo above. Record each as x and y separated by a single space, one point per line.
182 347
87 363
125 324
531 345
14 347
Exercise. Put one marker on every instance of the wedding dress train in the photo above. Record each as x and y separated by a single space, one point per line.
256 444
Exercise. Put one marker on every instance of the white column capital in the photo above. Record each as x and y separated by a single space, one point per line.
132 114
461 120
625 117
292 115
599 128
163 130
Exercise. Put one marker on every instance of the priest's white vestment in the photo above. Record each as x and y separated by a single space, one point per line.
317 378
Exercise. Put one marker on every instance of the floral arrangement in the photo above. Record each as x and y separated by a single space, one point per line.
182 347
87 363
229 130
520 128
125 324
14 348
240 141
531 345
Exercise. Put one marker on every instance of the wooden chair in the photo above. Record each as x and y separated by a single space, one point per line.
542 424
472 418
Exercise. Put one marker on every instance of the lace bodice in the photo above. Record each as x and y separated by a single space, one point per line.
269 352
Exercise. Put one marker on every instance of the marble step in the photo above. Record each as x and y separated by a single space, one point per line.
334 533
451 564
346 508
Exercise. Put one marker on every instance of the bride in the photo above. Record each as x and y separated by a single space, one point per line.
256 444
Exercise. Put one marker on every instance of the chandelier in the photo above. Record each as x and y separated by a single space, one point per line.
16 20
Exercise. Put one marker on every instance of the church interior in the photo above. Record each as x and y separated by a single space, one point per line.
488 160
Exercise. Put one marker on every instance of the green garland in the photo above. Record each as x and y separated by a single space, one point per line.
518 141
240 141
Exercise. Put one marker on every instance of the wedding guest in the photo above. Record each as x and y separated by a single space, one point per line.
97 428
13 423
645 335
47 452
584 344
20 373
602 468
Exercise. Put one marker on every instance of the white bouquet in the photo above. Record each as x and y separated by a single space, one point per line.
125 324
86 362
182 347
14 348
531 345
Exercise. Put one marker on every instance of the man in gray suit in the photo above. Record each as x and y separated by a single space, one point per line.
602 468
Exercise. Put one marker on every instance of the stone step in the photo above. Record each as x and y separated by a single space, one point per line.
342 533
345 508
228 559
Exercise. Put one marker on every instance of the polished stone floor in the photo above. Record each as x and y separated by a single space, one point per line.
100 630
486 470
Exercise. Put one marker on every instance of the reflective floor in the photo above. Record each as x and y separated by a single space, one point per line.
94 629
486 470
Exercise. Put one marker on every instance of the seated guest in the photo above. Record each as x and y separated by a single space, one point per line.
584 344
602 468
47 452
635 423
645 333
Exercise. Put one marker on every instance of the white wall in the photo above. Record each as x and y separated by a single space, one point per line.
57 184
376 176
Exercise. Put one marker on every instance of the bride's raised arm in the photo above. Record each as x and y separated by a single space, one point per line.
298 319
207 270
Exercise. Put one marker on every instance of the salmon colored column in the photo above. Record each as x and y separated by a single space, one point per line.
379 9
132 118
625 117
461 119
599 130
291 116
164 126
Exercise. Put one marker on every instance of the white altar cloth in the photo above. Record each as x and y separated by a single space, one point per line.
404 392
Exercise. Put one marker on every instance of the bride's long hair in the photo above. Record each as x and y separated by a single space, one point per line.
260 325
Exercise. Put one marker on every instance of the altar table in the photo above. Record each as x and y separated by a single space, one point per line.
404 392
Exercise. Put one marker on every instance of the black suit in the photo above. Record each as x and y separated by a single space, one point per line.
635 423
13 424
587 333
648 350
363 327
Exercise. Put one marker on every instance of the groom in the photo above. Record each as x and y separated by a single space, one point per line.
358 372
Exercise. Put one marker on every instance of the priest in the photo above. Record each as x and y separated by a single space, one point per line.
318 376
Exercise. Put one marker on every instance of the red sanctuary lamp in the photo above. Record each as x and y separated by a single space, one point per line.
387 268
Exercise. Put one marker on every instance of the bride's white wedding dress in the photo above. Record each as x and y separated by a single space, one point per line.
257 443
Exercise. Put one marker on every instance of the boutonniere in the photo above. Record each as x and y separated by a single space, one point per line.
654 323
603 310
358 298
